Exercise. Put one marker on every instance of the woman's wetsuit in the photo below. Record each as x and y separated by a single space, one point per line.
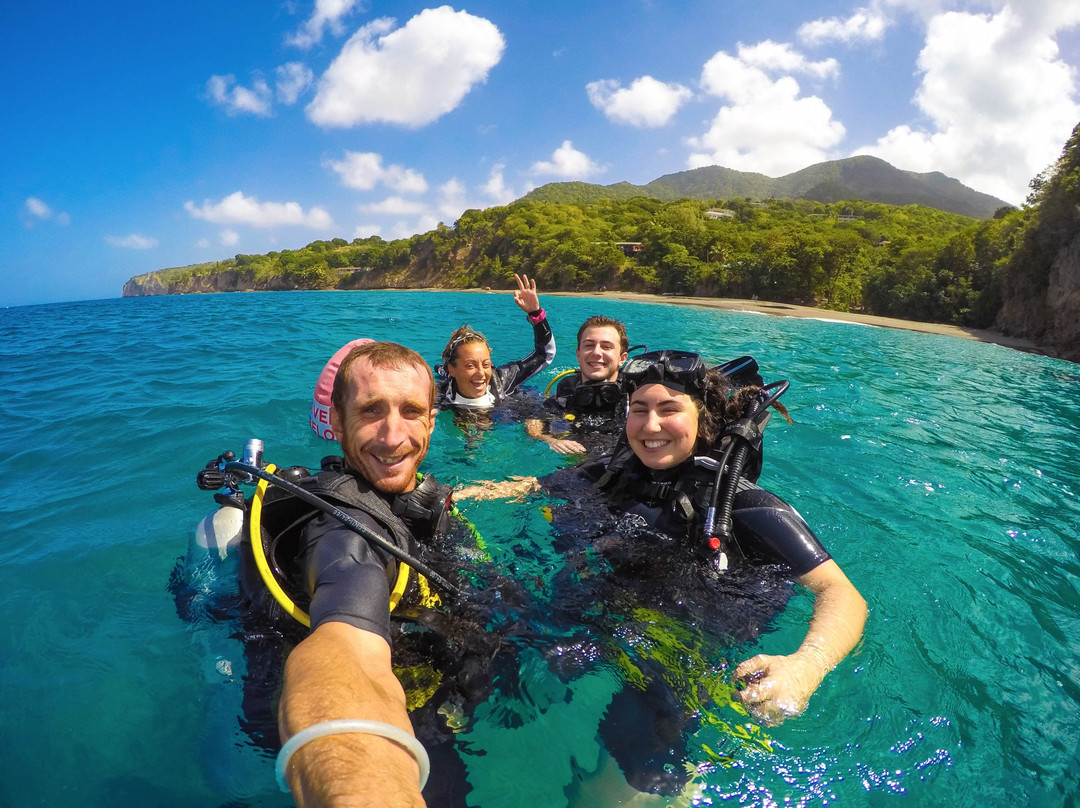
641 570
673 501
505 379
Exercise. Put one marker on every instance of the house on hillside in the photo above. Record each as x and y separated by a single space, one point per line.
719 213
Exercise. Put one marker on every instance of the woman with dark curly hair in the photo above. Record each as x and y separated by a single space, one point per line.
686 466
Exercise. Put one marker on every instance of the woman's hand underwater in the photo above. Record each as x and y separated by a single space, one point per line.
778 687
566 446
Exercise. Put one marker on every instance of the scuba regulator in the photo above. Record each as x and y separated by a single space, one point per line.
744 436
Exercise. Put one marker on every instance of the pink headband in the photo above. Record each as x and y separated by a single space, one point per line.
320 402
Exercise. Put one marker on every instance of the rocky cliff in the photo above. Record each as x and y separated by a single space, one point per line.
1063 302
1048 315
221 280
1041 294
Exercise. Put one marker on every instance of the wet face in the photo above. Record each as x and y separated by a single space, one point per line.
600 354
471 369
661 426
387 424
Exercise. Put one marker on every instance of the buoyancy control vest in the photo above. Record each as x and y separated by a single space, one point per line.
576 395
406 519
675 503
673 500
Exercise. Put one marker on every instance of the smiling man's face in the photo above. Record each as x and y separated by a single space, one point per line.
600 354
386 425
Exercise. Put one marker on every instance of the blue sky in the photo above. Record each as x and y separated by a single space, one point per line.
137 136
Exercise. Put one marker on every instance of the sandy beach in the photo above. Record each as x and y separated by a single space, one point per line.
789 310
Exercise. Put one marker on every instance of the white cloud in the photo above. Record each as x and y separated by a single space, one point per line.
225 92
780 57
239 209
367 230
394 206
999 100
864 25
35 210
645 103
409 76
405 217
292 79
568 163
452 202
767 125
422 225
132 242
364 170
327 14
202 243
229 238
496 188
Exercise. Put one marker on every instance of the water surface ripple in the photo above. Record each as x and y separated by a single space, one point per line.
941 474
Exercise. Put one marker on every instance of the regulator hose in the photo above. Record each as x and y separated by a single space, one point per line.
261 562
744 433
738 460
364 531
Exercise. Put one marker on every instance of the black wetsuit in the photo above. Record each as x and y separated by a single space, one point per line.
505 379
673 501
637 565
447 656
588 412
347 575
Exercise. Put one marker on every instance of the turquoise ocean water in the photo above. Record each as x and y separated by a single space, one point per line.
942 474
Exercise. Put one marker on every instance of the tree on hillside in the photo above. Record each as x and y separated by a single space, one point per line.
1054 210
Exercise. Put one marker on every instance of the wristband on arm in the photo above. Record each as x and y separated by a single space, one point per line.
336 726
536 316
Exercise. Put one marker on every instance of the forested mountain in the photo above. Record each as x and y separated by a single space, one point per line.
849 256
856 178
1018 272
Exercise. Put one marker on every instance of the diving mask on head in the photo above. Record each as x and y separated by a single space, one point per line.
681 371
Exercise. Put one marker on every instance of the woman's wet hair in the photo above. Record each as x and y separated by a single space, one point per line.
462 336
719 404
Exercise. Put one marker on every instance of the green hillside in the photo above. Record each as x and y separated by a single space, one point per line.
909 261
862 178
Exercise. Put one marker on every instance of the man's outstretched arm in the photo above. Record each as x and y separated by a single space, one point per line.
342 672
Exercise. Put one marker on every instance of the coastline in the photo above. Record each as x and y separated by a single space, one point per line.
791 310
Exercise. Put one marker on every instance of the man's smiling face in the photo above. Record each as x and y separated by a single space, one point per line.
386 425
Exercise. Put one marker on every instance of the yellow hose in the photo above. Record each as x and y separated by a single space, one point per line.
557 377
400 584
267 575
